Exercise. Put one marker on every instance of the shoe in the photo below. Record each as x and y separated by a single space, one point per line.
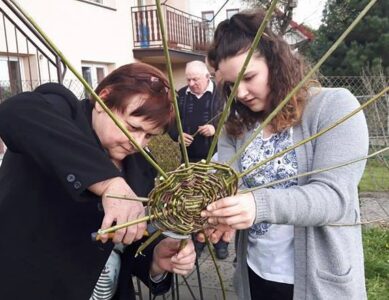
199 247
221 249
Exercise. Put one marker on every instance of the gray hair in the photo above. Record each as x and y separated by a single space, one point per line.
197 66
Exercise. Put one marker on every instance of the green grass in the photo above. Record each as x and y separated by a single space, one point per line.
376 250
375 177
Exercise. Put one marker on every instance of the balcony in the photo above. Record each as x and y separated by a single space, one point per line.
188 36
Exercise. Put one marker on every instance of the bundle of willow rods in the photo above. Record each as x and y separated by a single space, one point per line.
176 202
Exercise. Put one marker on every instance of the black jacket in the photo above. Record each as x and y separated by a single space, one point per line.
194 113
46 212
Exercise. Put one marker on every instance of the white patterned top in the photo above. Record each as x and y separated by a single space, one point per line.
270 248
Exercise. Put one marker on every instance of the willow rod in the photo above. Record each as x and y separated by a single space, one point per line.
382 221
302 82
313 172
124 225
126 197
170 75
89 89
231 97
321 132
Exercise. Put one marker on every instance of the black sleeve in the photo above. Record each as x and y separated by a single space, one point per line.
139 266
173 131
218 104
140 175
57 141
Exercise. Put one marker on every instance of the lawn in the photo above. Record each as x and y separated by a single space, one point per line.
376 249
376 176
376 240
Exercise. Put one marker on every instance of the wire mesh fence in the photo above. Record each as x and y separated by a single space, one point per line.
365 87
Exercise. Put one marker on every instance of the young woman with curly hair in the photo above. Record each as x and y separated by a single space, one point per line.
286 246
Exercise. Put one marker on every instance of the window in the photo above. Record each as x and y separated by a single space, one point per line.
208 15
87 74
100 73
10 77
231 12
210 24
94 73
110 4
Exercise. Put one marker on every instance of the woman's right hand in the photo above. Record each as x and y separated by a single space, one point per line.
120 211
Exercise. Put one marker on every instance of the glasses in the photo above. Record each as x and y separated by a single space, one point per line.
155 83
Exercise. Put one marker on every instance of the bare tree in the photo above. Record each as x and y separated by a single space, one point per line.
283 14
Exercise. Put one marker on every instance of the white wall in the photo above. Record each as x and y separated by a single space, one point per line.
89 34
197 6
85 32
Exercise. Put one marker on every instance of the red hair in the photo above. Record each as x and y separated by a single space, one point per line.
140 79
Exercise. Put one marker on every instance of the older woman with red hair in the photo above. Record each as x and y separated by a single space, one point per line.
64 156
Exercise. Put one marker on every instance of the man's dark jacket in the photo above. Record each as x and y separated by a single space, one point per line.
46 212
196 112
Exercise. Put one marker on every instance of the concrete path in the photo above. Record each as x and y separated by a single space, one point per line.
374 206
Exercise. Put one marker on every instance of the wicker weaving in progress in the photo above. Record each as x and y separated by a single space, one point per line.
176 202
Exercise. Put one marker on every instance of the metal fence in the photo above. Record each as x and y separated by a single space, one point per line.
376 177
356 84
365 87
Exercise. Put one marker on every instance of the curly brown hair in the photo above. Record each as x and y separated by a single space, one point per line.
234 36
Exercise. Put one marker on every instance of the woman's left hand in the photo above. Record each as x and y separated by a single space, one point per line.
217 233
166 258
237 211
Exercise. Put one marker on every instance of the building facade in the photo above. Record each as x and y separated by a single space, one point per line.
96 36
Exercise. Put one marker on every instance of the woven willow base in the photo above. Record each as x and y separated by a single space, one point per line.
176 202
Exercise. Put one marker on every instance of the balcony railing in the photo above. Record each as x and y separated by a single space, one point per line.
184 31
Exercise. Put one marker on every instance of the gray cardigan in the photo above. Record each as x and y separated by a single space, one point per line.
328 259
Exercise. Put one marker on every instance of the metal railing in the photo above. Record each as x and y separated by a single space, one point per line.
184 31
24 54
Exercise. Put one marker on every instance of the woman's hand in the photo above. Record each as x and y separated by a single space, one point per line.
120 211
166 258
238 212
220 231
